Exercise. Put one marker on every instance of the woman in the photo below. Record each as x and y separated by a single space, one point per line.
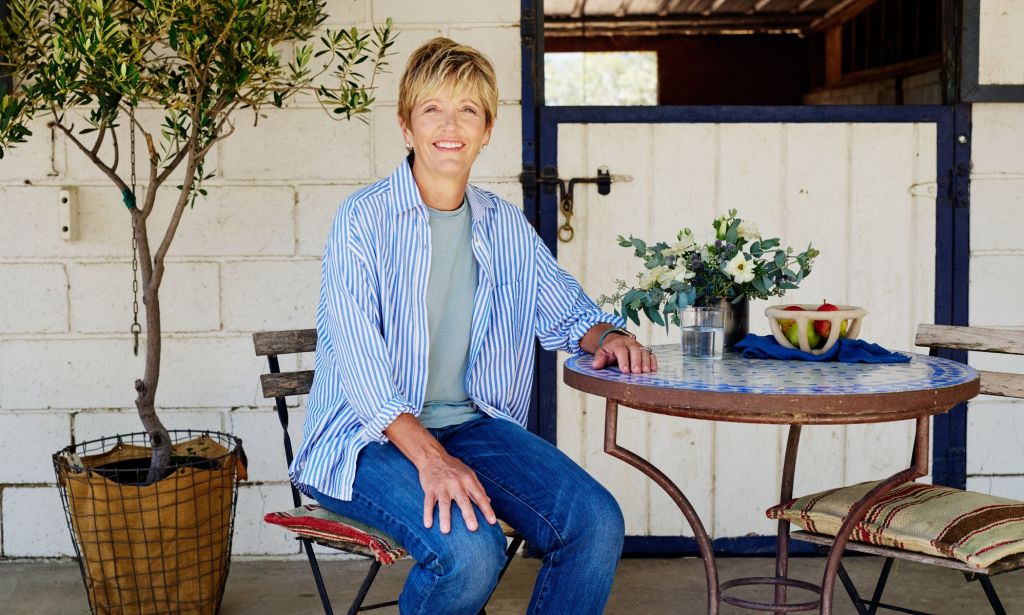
432 293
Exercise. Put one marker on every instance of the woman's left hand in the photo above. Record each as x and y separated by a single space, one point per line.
630 355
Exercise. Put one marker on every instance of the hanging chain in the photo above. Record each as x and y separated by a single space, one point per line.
565 232
136 328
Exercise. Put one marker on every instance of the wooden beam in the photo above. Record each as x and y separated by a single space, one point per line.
286 383
833 56
979 339
717 4
1002 384
840 13
284 342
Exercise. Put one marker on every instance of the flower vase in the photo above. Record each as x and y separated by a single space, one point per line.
735 319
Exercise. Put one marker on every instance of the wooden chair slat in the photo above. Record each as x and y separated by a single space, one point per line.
1002 384
284 342
982 339
286 383
1006 564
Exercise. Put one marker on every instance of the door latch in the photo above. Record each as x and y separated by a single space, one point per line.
548 179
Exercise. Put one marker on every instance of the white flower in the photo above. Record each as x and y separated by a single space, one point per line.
740 269
681 274
748 230
685 244
654 277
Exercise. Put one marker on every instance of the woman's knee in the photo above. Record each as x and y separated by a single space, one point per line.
470 559
600 524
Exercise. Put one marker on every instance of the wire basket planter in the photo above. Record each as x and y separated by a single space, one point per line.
157 549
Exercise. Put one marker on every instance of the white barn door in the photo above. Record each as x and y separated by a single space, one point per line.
863 193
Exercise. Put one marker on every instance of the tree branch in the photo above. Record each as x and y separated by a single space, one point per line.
99 139
109 172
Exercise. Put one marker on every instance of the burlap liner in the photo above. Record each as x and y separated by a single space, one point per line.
155 549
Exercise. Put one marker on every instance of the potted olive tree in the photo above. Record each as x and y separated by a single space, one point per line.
200 64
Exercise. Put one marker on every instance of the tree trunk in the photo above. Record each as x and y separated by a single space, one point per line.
159 439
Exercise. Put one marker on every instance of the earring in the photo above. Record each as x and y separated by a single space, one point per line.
483 147
408 146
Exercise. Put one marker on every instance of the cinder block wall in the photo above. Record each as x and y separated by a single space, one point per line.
245 259
995 428
995 459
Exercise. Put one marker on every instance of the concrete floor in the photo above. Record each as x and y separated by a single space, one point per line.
642 586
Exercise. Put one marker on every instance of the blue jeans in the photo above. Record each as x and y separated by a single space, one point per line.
557 507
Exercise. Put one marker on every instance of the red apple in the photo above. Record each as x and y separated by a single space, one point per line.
786 324
824 327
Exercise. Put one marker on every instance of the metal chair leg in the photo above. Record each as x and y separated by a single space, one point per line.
510 553
851 589
883 578
357 603
993 597
315 567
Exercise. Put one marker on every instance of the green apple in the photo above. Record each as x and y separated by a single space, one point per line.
793 334
815 340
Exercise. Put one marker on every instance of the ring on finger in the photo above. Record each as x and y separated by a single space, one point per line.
647 349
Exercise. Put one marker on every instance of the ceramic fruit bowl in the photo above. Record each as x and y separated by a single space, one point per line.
796 328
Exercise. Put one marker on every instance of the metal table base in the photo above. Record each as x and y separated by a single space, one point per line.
716 590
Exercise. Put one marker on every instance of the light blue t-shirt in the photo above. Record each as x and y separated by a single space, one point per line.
450 290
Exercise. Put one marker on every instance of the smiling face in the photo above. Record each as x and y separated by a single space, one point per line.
447 131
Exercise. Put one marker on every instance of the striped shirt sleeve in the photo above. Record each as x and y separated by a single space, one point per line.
360 357
564 312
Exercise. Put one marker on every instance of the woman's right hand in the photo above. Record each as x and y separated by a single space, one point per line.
446 479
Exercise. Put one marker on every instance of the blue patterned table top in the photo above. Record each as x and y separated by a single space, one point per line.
735 374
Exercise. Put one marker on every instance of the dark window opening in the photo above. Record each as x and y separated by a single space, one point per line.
765 52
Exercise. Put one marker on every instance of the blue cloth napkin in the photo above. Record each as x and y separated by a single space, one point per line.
844 351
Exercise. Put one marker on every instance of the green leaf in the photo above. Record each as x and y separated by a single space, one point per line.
652 313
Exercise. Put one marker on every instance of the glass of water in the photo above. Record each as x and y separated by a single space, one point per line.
703 332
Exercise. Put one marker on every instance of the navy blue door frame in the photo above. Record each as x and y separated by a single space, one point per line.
952 241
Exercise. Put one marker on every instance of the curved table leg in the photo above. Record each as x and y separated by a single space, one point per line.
703 542
918 469
785 494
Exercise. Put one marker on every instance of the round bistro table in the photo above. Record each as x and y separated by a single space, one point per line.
793 393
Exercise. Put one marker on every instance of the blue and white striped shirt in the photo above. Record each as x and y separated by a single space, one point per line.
373 340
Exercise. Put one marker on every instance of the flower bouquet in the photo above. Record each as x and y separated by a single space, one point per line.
737 265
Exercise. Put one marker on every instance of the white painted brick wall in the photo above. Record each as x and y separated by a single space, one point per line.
996 426
27 440
1001 47
34 524
246 258
33 298
292 287
189 297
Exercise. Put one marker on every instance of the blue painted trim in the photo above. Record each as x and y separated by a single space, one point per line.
949 431
740 114
674 546
532 80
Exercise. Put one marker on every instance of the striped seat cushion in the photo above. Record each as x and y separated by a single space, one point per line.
974 528
321 525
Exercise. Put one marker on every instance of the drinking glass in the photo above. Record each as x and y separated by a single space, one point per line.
703 332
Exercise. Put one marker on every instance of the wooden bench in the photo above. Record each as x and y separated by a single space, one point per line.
937 337
280 385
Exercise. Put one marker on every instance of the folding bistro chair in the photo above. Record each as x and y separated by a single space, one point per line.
311 522
974 533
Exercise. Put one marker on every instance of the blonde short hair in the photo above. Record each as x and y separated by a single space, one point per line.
440 64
